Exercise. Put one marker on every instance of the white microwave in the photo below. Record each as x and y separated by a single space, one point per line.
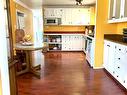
52 21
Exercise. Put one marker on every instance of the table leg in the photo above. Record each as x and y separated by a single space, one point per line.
31 68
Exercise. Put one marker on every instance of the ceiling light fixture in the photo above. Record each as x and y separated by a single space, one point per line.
79 2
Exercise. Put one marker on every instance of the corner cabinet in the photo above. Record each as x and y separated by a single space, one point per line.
115 61
117 11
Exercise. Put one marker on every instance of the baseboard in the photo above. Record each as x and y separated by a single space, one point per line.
98 67
62 51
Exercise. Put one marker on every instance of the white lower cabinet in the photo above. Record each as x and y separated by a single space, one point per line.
115 63
65 42
72 43
108 55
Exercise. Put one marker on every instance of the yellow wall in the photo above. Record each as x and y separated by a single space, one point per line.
120 27
13 18
64 28
92 15
28 18
0 86
102 27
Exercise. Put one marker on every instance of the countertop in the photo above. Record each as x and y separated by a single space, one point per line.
115 38
31 48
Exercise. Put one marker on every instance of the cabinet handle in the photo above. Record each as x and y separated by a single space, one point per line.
119 58
124 81
117 76
119 49
122 16
118 67
113 17
108 45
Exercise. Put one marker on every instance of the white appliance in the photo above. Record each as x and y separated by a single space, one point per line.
90 51
52 21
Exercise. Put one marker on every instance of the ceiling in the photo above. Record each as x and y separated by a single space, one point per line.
38 3
33 4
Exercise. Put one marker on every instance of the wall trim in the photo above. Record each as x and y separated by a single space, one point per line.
98 67
22 4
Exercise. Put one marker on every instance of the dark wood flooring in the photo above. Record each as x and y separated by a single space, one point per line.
67 73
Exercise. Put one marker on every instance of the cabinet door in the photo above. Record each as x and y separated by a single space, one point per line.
124 65
125 82
68 16
84 17
115 9
111 56
58 12
64 42
71 42
81 43
76 16
125 8
78 42
52 12
111 13
106 54
74 42
48 12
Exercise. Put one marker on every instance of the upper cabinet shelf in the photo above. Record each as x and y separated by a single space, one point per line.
70 16
117 11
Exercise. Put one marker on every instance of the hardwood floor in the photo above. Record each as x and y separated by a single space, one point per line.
67 73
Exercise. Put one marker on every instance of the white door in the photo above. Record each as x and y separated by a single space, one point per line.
4 73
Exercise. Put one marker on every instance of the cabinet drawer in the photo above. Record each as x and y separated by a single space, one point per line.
120 48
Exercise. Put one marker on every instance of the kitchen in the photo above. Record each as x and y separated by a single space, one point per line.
96 30
76 33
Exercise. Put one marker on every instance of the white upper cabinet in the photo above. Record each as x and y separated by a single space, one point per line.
117 11
125 9
69 16
81 16
52 13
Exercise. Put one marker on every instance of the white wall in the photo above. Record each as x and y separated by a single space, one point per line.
38 26
38 36
3 53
